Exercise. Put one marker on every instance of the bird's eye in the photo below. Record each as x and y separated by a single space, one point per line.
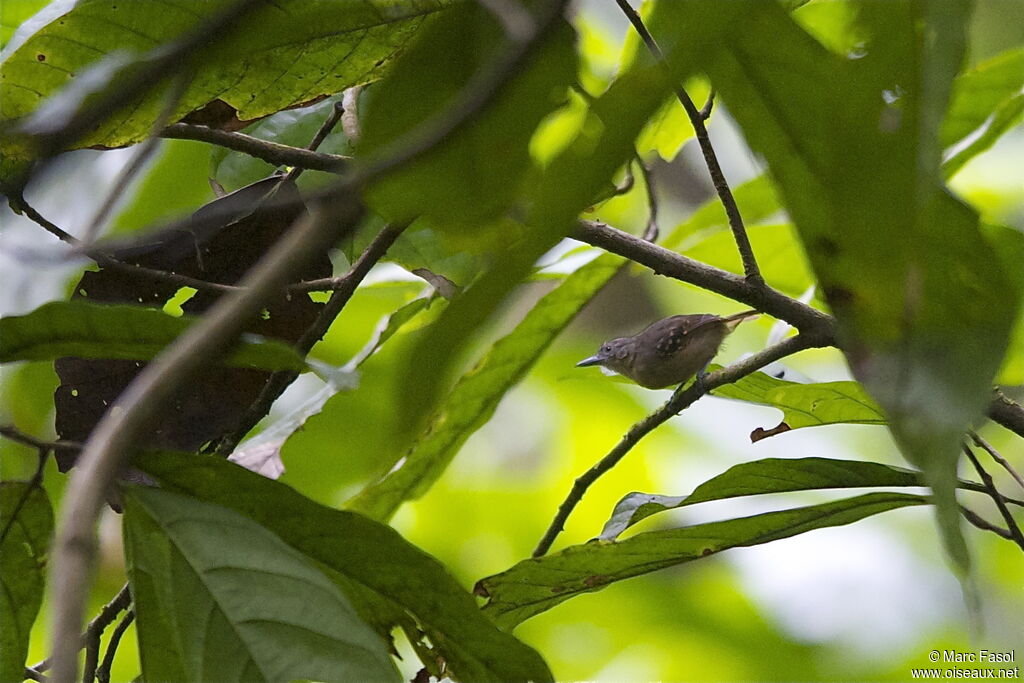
607 348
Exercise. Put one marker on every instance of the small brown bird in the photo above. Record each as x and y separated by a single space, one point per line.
670 351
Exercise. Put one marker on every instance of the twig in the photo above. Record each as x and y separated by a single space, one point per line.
121 428
697 118
107 261
35 675
272 152
142 155
43 451
986 478
103 672
987 447
652 230
705 111
681 399
321 134
980 522
344 287
94 631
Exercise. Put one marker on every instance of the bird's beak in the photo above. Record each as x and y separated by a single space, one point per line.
593 360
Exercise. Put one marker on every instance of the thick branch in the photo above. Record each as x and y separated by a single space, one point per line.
272 152
667 262
697 118
1007 412
680 400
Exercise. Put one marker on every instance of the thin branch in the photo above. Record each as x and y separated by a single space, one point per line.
103 672
651 231
107 261
986 478
980 522
272 152
35 675
43 451
705 111
123 427
697 118
997 456
681 399
139 159
321 134
344 287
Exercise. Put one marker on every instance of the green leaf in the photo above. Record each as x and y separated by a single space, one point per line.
26 525
670 127
771 475
756 198
977 93
922 306
1005 117
86 330
536 585
276 56
475 174
368 554
13 14
476 395
807 405
220 598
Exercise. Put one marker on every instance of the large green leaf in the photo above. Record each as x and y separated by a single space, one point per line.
26 524
86 330
476 395
368 555
220 598
538 584
922 306
1007 115
475 175
771 475
276 56
807 405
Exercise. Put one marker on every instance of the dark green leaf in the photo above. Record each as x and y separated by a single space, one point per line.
277 56
86 330
536 585
898 258
771 475
26 524
366 553
188 563
807 405
476 395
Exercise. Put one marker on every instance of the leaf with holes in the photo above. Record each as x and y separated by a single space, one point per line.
219 243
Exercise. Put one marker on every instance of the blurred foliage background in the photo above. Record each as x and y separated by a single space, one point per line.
863 602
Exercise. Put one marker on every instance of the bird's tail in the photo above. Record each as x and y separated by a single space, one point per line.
731 321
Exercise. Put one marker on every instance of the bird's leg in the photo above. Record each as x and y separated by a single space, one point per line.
701 374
